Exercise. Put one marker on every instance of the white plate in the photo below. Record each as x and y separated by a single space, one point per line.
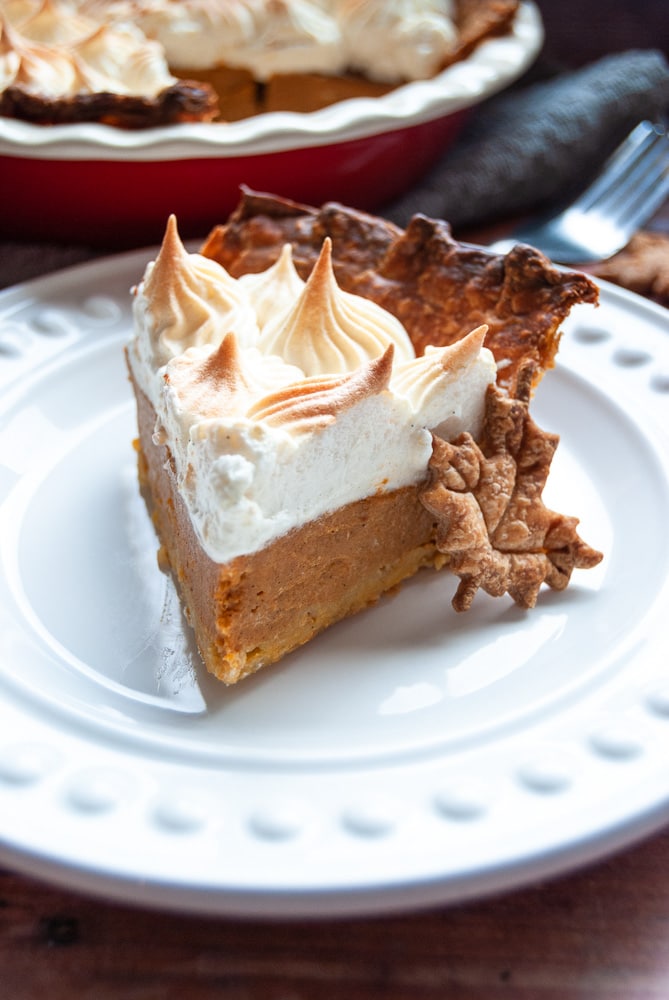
407 757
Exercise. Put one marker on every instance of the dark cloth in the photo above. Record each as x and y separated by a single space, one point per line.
531 145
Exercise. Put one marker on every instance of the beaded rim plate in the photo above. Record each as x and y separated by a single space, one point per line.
408 756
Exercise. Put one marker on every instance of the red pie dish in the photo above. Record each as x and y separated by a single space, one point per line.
110 187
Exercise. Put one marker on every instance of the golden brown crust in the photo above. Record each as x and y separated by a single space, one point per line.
184 101
440 289
642 266
487 495
262 223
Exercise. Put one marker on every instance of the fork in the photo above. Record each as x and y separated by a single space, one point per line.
631 187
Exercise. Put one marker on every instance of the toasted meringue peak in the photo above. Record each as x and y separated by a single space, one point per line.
195 34
439 375
223 381
53 51
441 365
329 331
315 402
190 300
53 24
272 291
37 68
296 36
209 384
407 39
122 61
65 52
16 11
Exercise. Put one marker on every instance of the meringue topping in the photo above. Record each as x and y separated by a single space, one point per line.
328 331
194 35
37 68
388 42
292 36
51 23
187 299
317 401
408 39
123 62
272 291
325 406
55 53
438 366
213 383
428 380
225 380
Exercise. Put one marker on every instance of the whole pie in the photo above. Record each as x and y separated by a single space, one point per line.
138 63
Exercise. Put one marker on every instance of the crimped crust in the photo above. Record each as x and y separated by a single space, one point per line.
440 289
183 101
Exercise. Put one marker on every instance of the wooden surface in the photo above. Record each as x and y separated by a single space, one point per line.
600 934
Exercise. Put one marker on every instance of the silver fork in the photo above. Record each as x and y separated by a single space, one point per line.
631 187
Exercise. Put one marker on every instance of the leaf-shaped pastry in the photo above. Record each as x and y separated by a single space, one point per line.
487 498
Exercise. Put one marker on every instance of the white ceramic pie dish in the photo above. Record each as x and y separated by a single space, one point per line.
108 187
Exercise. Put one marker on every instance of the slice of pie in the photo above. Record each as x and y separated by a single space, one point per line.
328 404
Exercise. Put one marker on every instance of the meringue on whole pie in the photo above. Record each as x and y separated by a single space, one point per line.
299 456
58 65
139 63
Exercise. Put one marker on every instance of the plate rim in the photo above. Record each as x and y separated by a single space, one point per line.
323 902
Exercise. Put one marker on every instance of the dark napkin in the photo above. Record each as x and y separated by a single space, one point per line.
532 144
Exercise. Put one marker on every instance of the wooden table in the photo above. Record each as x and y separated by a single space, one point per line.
602 934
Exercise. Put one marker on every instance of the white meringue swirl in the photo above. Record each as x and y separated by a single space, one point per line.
329 331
